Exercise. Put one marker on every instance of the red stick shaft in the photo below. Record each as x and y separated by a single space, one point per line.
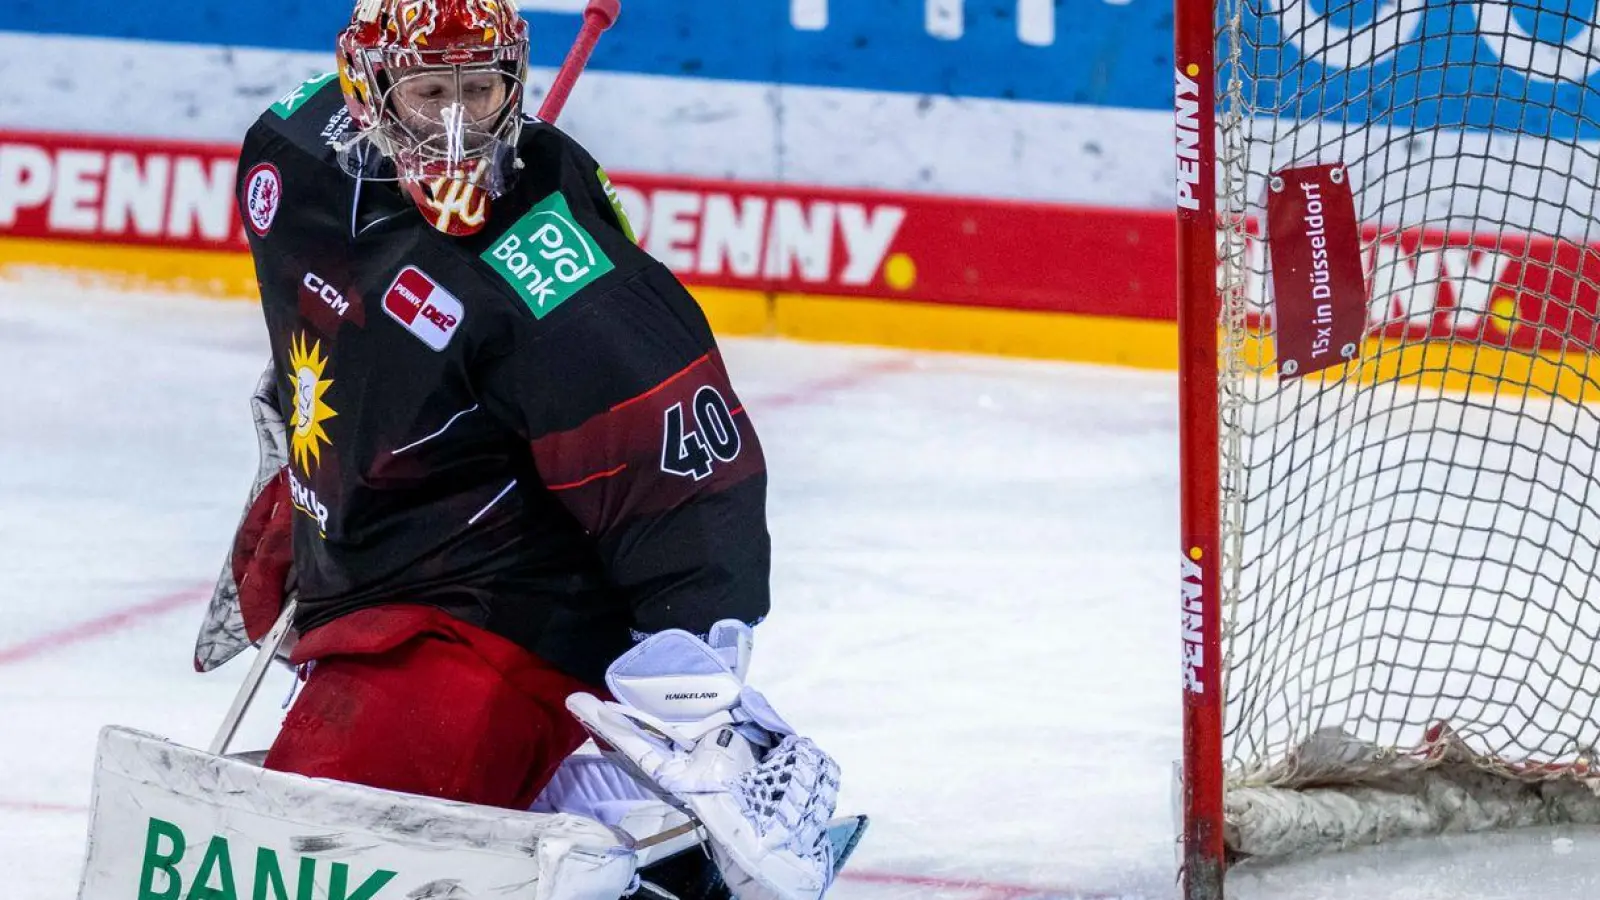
597 17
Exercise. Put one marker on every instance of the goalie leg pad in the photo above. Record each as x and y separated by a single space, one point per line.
589 785
410 699
169 821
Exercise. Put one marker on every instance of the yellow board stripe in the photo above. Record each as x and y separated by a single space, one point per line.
894 323
217 274
1141 343
1455 366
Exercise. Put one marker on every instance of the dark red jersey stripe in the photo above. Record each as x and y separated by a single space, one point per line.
663 385
592 478
623 463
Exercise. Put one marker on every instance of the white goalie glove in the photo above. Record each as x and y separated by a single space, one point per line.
689 729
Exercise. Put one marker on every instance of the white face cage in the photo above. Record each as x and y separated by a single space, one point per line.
436 118
451 114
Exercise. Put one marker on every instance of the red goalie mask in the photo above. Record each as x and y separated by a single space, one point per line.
437 87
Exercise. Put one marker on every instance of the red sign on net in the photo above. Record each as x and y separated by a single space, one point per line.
1319 294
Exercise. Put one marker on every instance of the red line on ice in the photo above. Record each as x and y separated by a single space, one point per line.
816 390
101 626
980 889
31 806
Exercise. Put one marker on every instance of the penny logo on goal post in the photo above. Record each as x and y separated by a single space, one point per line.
1318 284
1194 651
1187 132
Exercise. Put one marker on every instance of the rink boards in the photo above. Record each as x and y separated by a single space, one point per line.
764 258
919 270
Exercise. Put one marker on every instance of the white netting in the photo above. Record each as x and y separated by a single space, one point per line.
1413 541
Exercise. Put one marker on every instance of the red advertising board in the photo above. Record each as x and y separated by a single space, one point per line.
1505 290
129 191
726 234
920 247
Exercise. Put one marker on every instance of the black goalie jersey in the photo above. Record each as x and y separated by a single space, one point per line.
530 427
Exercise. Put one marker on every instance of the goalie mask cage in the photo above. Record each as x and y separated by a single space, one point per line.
1390 596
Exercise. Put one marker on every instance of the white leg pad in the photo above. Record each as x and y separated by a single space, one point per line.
167 821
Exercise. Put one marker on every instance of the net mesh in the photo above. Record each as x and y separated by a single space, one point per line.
1412 540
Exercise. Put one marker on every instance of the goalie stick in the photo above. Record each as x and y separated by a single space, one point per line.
598 16
252 679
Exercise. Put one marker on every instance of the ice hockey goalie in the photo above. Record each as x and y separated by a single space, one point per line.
508 501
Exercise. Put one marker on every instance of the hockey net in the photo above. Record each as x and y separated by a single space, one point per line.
1410 543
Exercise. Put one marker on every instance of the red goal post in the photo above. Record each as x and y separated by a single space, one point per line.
1390 558
1201 780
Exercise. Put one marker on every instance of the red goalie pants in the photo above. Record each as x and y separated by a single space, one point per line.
408 698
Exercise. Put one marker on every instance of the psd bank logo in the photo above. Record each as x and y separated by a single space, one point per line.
1504 65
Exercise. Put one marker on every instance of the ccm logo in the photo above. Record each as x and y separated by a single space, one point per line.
326 292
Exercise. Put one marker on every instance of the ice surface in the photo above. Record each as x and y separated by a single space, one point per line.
975 602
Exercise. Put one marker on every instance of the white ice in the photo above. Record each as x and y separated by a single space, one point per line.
975 602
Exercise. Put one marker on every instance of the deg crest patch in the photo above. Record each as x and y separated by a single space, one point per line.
263 194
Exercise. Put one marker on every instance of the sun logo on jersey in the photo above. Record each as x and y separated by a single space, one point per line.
306 365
